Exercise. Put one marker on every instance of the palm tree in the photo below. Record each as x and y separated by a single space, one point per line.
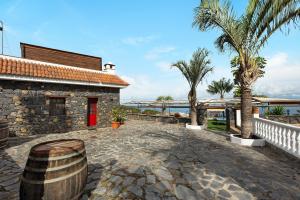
194 72
246 35
163 100
220 87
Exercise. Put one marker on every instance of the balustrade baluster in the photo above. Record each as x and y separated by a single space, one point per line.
298 143
284 136
293 145
289 140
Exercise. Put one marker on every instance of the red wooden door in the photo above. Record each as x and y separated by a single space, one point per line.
92 111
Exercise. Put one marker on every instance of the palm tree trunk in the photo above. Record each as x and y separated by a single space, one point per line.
246 112
163 109
193 101
194 116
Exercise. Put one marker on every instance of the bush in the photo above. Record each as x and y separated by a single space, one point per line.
277 110
129 109
119 114
151 112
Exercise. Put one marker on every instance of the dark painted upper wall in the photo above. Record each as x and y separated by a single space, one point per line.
60 57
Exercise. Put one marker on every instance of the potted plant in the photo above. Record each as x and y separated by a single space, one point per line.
118 117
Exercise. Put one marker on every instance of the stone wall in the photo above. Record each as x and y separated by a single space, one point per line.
291 119
159 118
26 106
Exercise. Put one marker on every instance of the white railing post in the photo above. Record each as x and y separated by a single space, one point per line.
284 136
298 143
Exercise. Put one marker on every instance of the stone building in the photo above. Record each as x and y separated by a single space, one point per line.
49 91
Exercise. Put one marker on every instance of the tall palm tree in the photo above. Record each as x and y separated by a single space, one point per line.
221 87
194 72
246 35
163 100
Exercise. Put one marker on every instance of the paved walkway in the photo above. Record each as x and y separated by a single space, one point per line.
148 160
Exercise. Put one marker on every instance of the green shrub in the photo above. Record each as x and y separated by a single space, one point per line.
150 112
130 109
119 114
277 110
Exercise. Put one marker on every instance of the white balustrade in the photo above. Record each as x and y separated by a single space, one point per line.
284 136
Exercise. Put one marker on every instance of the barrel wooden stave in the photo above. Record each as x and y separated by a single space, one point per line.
4 132
58 176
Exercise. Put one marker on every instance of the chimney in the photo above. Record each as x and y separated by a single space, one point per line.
109 68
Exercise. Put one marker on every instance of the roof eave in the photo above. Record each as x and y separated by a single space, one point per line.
58 81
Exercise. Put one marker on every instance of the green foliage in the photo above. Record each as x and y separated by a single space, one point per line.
217 125
164 98
119 114
220 87
150 112
277 110
130 109
237 91
260 95
197 69
259 63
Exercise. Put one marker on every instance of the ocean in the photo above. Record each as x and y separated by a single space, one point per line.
289 110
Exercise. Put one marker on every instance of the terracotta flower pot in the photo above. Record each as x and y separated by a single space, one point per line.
115 125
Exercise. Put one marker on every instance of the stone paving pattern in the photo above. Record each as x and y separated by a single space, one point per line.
153 161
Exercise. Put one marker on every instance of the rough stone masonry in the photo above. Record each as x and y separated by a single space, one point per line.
26 106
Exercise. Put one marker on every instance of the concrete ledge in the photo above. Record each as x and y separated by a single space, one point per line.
246 142
193 127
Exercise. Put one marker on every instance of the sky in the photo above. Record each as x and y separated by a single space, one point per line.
143 38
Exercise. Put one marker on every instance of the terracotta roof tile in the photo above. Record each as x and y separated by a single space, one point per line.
31 68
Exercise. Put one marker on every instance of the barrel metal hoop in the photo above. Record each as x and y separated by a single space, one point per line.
54 168
57 157
54 179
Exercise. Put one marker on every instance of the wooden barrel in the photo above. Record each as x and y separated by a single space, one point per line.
3 133
55 170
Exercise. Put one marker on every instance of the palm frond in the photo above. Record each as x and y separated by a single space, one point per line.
274 15
221 87
184 68
197 69
211 14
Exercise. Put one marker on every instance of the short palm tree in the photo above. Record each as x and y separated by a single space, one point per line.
221 87
194 72
163 100
246 35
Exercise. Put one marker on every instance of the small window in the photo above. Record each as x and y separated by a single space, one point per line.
57 106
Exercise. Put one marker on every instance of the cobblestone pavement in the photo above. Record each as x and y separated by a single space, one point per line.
148 160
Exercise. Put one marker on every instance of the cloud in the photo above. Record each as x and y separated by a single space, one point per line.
282 77
281 80
158 52
135 41
143 87
164 66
